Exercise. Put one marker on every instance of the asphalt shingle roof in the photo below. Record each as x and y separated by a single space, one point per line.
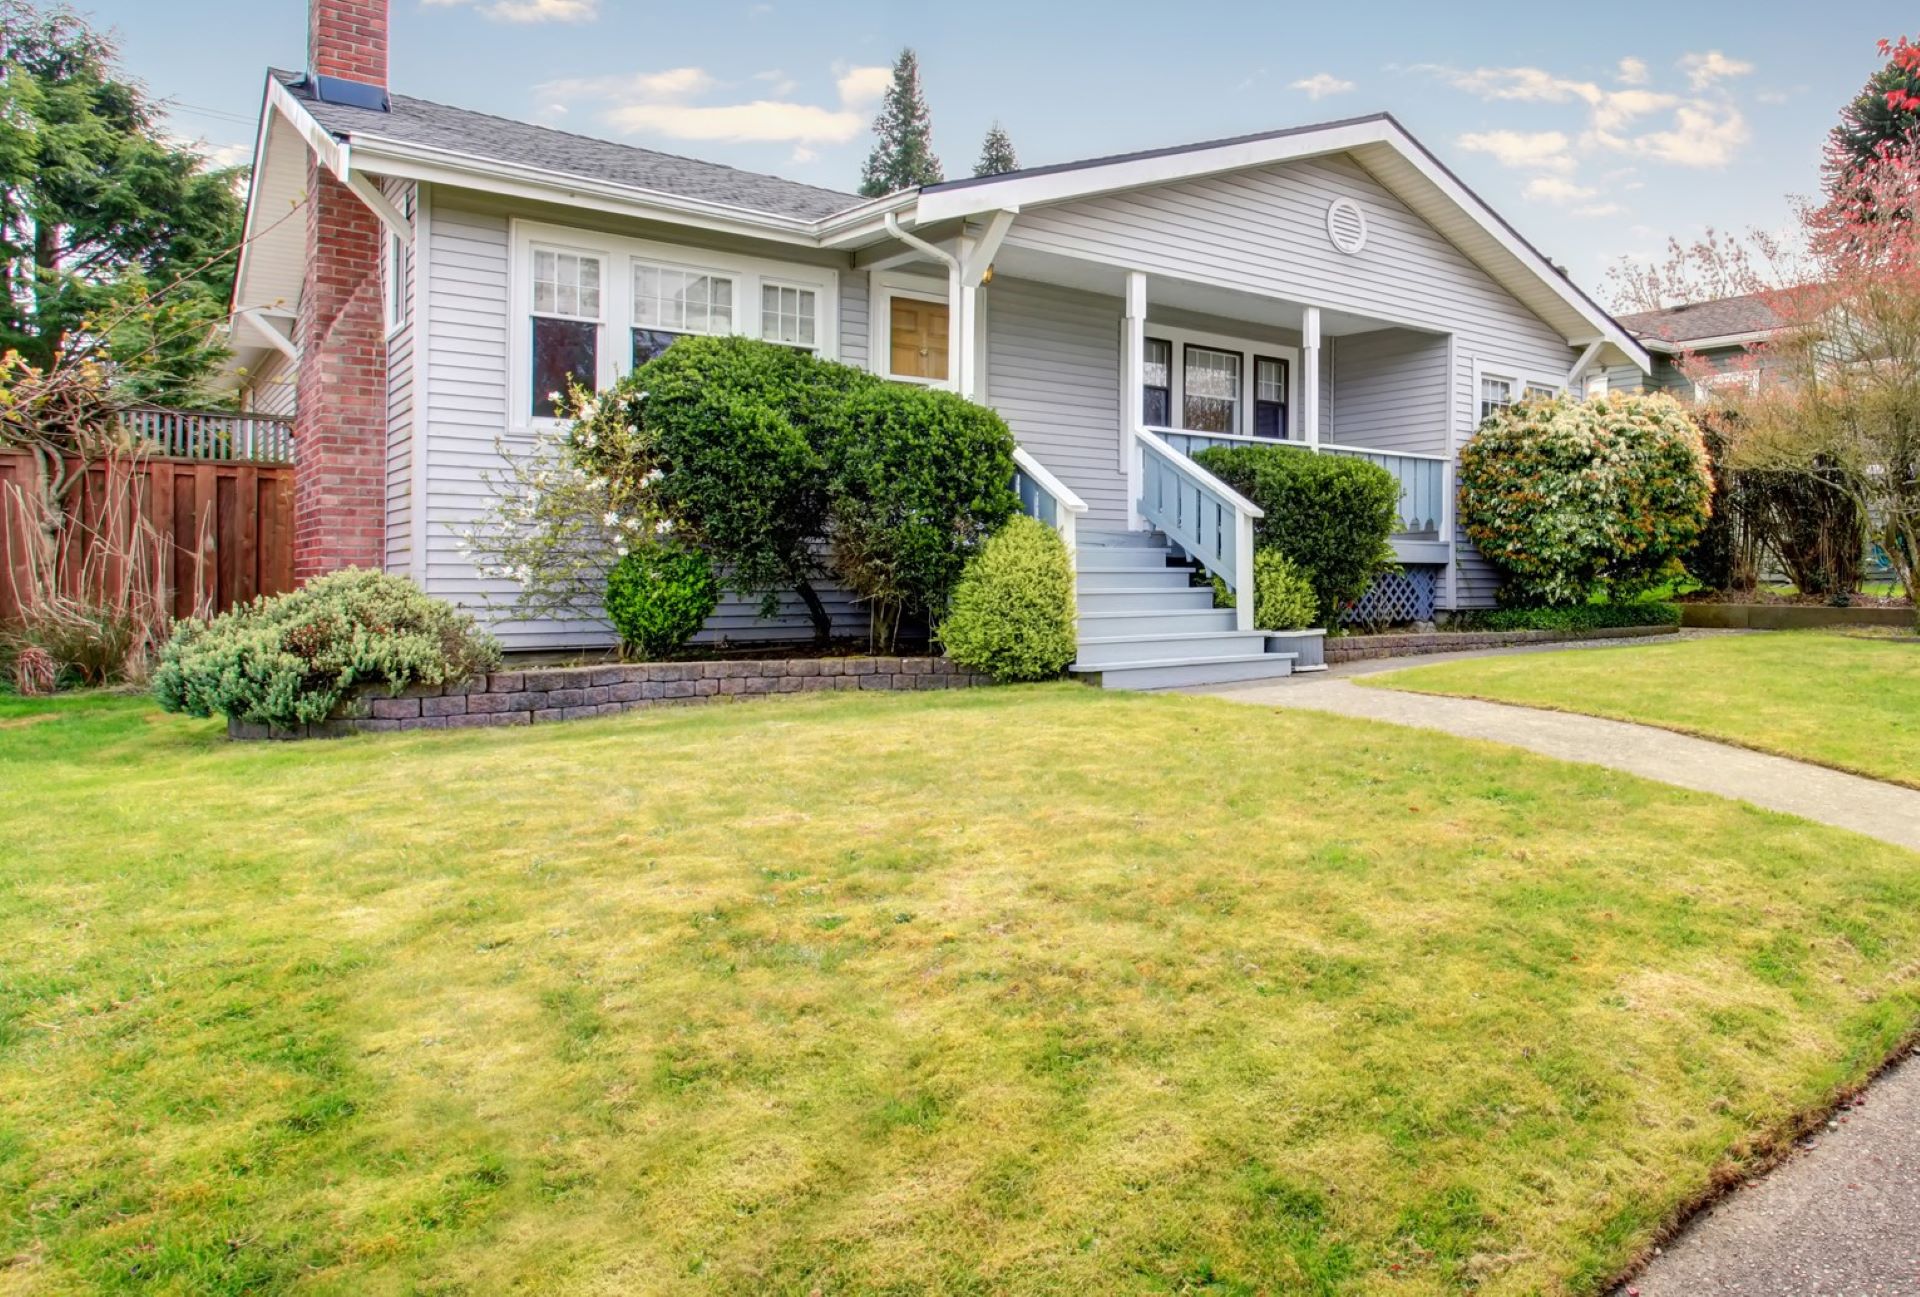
1694 320
481 135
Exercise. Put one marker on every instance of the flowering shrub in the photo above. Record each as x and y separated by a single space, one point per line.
1567 497
291 658
1012 613
658 597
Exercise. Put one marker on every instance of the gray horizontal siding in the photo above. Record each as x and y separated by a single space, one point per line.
855 349
1389 391
399 546
270 388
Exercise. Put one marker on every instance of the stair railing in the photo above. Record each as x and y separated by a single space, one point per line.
1202 515
1046 497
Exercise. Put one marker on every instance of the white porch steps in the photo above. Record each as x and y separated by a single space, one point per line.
1144 626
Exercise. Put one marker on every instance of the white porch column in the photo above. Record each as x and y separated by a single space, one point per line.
1310 374
960 348
1133 375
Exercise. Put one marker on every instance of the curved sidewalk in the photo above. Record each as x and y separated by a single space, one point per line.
1878 810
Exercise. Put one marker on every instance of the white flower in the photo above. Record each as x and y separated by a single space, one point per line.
554 397
610 520
654 476
664 527
621 550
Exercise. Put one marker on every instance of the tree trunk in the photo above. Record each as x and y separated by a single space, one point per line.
822 621
46 284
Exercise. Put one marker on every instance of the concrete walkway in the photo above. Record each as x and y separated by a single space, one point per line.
1841 1217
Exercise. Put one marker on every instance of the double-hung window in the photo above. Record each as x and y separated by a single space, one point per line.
790 315
670 302
566 324
1496 393
1156 389
1270 397
1211 384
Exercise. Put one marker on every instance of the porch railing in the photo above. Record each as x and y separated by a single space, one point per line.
1422 478
1046 497
1201 514
210 434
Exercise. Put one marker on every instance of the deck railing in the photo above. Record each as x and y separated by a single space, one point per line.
1422 478
211 434
1046 497
1201 514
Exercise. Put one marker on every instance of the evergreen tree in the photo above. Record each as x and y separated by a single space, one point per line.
117 242
996 154
903 158
1885 114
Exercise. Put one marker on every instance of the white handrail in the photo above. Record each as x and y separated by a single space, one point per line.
1349 449
1185 518
1239 502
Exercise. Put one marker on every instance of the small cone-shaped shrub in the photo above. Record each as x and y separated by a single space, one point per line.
1012 613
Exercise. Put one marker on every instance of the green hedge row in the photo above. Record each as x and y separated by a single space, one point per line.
1573 617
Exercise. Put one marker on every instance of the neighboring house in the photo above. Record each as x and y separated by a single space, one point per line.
1721 333
1333 288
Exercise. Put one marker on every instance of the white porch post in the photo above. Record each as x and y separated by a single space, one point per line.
1310 374
960 349
1133 374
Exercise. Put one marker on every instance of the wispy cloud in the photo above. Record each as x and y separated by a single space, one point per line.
1557 190
676 103
1523 150
1633 71
1705 70
527 11
1320 85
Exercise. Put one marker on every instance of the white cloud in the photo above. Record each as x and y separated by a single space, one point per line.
1525 150
1321 84
216 155
667 104
801 153
1557 190
529 11
1599 209
1633 71
1703 70
778 83
1703 135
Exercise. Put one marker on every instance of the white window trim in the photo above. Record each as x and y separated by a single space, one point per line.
393 282
1747 380
1249 349
618 254
819 306
1519 375
883 287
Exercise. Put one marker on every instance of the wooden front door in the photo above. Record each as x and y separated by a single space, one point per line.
919 339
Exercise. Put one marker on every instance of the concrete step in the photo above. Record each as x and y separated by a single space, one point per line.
1177 674
1119 558
1155 621
1098 537
1138 577
1194 646
1142 598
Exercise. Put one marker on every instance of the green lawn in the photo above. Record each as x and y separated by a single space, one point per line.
1848 701
1009 991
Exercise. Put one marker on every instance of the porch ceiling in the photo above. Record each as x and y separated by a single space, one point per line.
1173 294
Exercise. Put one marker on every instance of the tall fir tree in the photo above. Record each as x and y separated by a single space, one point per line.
1885 114
996 154
903 156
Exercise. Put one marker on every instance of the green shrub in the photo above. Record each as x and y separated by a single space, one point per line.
1329 515
1571 617
1567 498
920 479
1283 598
1012 611
291 658
659 596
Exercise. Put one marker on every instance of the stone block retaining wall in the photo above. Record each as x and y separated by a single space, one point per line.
544 694
1356 648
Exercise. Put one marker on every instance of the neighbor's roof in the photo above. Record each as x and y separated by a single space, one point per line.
481 135
1724 317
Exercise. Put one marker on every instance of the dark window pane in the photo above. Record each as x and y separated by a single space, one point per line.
564 352
648 343
1269 397
1156 407
1269 419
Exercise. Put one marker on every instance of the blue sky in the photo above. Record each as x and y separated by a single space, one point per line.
1597 131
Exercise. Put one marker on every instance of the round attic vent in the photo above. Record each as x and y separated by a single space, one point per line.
1346 226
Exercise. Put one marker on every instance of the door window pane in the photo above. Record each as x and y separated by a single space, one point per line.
564 352
918 339
1211 399
788 314
1156 403
1270 396
681 301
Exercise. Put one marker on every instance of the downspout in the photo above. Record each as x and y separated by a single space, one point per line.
959 323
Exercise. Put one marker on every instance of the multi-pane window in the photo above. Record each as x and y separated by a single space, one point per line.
1211 390
1156 388
1541 392
669 303
1269 396
788 315
1597 386
1495 394
566 325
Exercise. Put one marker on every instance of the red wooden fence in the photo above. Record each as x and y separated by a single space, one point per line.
227 525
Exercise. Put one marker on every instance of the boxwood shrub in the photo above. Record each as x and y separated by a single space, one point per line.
1571 617
1012 612
288 659
1283 598
659 595
1329 515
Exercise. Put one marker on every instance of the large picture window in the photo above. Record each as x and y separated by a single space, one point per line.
671 303
1211 379
566 324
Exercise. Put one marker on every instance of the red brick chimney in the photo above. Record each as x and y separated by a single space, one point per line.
340 422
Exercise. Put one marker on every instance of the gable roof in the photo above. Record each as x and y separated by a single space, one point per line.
1723 317
484 136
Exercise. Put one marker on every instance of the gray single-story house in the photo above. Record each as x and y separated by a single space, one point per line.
1727 334
418 278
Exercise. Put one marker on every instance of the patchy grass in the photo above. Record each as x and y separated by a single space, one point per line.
1837 698
1011 991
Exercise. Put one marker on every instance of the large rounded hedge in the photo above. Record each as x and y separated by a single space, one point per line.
1567 497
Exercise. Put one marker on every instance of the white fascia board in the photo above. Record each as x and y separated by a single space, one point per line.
1673 348
331 152
422 164
256 179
